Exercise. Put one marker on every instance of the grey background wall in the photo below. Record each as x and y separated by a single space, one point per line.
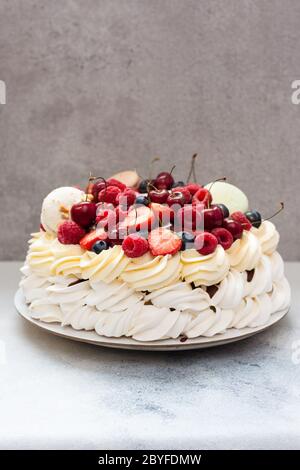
104 85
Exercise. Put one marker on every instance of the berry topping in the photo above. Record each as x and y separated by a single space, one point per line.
84 213
176 198
193 188
164 180
223 208
142 199
128 177
143 186
213 217
185 192
88 241
109 194
134 246
242 219
158 195
234 227
206 243
254 217
202 196
116 183
104 215
139 218
189 217
187 240
70 233
224 237
99 246
95 189
126 198
163 213
164 242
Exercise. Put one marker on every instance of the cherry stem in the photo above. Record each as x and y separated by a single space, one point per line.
277 212
192 169
172 169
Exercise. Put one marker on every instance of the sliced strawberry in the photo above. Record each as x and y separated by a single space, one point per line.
91 238
163 213
139 218
202 196
164 242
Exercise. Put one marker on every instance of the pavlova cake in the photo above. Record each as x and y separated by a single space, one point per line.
153 259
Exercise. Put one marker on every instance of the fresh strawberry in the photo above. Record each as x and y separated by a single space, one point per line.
164 242
70 233
109 195
135 246
163 213
202 196
104 216
185 192
139 218
238 216
91 238
126 198
116 183
193 188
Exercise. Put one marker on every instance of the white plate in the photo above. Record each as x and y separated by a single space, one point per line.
128 343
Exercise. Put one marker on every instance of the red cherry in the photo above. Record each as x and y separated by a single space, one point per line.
164 180
185 192
84 213
206 243
193 188
176 198
225 238
160 196
203 196
189 218
213 217
234 227
96 188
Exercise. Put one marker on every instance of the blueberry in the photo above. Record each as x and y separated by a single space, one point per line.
178 184
187 240
143 187
142 199
224 209
254 217
99 246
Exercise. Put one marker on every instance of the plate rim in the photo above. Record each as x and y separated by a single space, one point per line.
91 337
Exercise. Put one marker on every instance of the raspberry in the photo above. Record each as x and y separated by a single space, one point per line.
109 194
224 237
116 183
126 198
238 216
135 246
70 233
206 243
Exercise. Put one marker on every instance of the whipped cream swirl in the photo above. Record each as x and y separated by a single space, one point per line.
148 273
204 270
267 236
230 291
245 252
